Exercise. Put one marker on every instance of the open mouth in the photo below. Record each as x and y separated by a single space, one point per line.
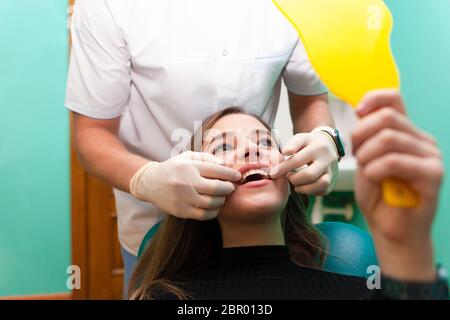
255 175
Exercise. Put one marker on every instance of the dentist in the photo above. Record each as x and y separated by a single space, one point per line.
142 69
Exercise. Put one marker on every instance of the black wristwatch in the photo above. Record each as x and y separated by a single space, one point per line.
437 290
334 134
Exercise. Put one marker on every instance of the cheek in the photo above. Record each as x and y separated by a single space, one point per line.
276 157
283 187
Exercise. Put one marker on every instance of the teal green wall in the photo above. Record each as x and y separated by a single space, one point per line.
421 45
34 148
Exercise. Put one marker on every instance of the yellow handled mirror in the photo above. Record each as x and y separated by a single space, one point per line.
348 42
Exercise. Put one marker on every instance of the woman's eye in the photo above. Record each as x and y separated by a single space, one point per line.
265 142
224 147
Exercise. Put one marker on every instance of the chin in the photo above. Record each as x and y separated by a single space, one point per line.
253 207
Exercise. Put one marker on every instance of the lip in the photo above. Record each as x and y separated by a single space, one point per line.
256 184
253 166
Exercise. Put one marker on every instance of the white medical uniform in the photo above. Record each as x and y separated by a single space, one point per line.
162 65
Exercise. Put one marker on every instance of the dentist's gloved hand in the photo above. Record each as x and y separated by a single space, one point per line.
191 185
314 158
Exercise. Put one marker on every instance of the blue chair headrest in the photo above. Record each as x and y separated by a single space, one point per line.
350 249
148 237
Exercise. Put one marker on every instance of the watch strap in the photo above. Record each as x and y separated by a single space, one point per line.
334 135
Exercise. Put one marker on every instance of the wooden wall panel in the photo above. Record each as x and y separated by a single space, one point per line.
95 246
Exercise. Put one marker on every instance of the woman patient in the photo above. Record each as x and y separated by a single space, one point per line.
261 245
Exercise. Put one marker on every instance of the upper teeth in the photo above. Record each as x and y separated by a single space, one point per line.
263 172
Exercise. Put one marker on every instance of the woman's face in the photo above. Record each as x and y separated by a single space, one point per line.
246 145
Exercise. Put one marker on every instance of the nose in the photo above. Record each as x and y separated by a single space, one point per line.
251 153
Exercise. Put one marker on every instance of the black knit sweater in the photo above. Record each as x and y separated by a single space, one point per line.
267 272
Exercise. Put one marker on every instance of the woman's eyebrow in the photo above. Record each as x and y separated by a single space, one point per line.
222 135
231 133
265 132
261 131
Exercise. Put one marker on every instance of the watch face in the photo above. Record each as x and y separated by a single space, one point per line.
339 144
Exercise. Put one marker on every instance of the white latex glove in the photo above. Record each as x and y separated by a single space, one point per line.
191 185
313 165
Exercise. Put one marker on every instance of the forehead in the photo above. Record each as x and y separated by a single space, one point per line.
237 122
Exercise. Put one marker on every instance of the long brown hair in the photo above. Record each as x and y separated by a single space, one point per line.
180 244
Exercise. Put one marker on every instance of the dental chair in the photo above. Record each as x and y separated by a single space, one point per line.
350 249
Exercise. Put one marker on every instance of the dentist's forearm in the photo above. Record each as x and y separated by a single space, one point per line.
309 112
104 156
